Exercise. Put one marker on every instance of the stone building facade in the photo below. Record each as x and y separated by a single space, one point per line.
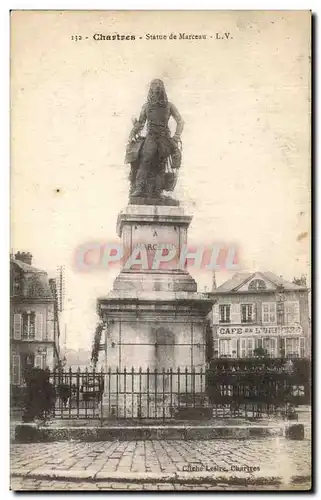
34 325
260 311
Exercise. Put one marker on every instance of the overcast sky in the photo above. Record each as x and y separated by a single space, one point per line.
245 174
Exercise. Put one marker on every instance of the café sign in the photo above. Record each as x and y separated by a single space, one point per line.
260 330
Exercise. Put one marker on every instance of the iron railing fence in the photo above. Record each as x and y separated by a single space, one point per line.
228 388
128 394
178 394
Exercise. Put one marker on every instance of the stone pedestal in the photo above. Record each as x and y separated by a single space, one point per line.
155 318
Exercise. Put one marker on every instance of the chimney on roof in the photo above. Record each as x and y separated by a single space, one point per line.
25 257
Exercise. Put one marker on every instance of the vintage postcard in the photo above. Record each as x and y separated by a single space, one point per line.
160 316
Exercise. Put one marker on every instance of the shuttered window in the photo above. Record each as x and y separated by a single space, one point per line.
28 325
15 366
247 347
291 312
270 345
269 312
292 347
247 313
225 348
17 326
39 361
225 313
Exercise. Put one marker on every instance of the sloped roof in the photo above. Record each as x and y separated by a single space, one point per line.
239 278
277 280
35 281
26 267
233 282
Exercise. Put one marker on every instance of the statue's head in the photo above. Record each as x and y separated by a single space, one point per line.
157 92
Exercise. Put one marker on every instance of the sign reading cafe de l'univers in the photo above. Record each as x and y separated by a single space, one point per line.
260 330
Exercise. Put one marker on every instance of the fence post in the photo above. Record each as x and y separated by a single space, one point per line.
86 385
102 381
193 386
94 391
133 392
109 375
178 388
148 398
186 392
125 407
170 371
78 390
155 385
163 373
117 390
70 390
139 409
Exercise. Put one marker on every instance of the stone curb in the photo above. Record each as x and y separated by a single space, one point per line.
25 433
153 477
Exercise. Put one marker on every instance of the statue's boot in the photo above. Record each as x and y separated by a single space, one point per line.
138 192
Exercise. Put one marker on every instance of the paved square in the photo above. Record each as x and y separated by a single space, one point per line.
273 457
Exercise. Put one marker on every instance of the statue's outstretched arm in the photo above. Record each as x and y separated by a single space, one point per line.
179 121
139 124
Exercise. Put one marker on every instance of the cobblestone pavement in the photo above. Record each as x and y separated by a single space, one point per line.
19 484
274 457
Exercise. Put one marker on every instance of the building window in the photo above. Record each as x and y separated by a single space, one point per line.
270 346
247 313
225 348
225 313
28 325
27 362
269 312
16 286
258 343
247 347
292 347
257 285
291 312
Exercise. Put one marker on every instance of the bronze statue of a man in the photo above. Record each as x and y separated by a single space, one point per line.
150 156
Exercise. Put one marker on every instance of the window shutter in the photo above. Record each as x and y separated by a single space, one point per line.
302 339
215 345
242 348
265 312
273 313
235 314
234 348
216 314
296 312
253 313
39 327
39 361
16 369
17 326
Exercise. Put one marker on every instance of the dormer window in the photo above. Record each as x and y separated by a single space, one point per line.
257 285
